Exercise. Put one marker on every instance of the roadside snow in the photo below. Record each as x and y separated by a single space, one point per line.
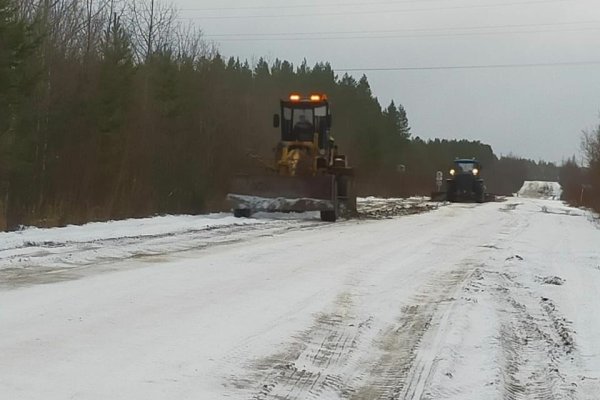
33 250
130 228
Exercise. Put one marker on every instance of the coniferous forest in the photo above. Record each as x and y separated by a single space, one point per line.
115 109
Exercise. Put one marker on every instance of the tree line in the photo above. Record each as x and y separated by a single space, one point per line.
581 181
112 109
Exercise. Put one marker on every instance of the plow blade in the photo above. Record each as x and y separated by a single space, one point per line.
443 196
438 196
282 193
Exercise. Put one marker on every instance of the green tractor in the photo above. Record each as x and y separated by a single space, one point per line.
465 182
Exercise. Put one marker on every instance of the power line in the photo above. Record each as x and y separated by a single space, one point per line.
478 6
409 36
414 36
401 30
297 6
458 67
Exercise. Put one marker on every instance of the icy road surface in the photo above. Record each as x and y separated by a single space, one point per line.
491 301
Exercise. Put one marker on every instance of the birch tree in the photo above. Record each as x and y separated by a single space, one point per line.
152 24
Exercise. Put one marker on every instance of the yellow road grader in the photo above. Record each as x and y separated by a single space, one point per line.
309 174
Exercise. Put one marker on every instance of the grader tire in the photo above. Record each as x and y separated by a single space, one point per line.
242 213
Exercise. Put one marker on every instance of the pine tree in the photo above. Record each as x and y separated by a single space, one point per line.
403 126
116 74
17 81
17 46
398 119
111 112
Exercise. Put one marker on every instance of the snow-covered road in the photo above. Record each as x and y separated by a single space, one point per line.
495 301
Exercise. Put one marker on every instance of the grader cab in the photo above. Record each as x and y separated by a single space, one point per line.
309 174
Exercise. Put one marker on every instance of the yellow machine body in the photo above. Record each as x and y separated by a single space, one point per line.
308 173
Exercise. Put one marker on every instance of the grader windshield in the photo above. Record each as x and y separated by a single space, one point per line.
301 119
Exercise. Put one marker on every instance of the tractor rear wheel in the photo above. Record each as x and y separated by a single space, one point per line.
451 195
480 193
451 192
481 197
329 216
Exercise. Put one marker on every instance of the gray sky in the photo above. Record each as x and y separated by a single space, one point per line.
534 112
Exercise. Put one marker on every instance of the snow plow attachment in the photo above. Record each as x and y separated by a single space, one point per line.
282 194
488 197
438 196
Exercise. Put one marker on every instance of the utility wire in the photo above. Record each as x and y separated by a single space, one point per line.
406 10
402 30
297 6
416 36
457 67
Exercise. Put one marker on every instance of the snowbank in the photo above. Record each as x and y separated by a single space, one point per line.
540 190
130 228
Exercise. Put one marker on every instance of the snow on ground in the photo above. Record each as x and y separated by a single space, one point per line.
131 228
62 252
540 190
26 253
469 301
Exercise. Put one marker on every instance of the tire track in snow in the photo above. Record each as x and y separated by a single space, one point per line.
311 367
321 363
402 370
396 363
535 342
410 365
425 363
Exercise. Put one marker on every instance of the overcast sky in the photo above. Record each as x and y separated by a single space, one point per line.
535 112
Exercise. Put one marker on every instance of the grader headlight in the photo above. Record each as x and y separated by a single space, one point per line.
452 172
475 171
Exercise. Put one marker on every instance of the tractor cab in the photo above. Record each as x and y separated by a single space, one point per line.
465 167
303 118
